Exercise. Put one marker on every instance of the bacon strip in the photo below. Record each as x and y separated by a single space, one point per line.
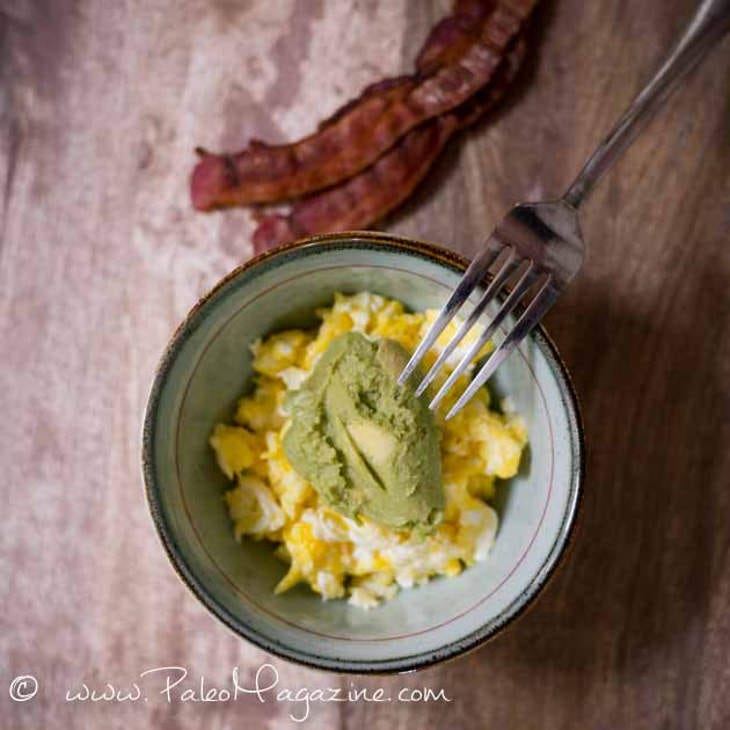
367 197
457 64
449 38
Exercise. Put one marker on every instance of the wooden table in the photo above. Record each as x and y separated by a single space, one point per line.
102 104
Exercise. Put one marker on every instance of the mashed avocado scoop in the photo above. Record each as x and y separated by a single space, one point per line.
368 446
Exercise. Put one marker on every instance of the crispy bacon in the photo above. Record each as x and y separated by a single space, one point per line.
456 63
448 39
365 197
368 196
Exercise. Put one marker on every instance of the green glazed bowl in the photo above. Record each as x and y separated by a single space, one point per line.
206 368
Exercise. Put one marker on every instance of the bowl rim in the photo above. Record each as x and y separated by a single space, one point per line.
412 662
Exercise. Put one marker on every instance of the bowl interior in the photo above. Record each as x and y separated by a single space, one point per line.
208 367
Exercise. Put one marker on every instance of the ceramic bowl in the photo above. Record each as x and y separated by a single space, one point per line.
207 367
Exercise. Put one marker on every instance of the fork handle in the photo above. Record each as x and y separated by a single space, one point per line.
709 25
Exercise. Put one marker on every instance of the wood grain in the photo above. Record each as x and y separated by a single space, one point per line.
101 105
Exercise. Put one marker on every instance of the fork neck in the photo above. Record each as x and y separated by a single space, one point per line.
710 23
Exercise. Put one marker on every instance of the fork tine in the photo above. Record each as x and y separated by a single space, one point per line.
472 276
492 290
523 284
534 312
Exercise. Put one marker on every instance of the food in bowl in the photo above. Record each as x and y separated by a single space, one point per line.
206 368
328 495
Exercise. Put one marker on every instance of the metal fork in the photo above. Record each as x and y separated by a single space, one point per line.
539 246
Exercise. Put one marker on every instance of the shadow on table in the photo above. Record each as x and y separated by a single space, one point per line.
636 588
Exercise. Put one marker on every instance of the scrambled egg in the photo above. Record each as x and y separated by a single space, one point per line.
357 559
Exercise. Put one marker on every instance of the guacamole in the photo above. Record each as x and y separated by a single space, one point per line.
368 446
